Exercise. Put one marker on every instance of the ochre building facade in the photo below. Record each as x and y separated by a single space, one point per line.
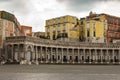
62 28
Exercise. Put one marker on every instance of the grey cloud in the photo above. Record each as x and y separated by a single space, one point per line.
4 0
80 5
19 6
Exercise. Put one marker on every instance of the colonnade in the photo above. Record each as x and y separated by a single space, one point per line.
61 54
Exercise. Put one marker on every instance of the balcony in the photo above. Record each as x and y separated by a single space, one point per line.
62 35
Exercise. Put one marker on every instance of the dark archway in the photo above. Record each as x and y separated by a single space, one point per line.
64 59
76 58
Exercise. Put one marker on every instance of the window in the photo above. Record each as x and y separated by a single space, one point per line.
88 25
48 29
117 35
105 26
27 31
88 33
94 26
58 32
64 19
54 36
58 27
48 35
111 34
54 28
64 26
54 21
94 34
64 31
6 33
58 20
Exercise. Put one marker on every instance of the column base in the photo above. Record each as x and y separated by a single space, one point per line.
67 62
46 61
113 62
96 62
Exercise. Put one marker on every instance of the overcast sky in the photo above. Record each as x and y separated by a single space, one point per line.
35 12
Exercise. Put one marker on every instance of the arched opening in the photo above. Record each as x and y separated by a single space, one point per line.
115 59
15 52
100 59
53 58
58 57
88 59
28 56
76 58
64 59
82 58
9 52
70 57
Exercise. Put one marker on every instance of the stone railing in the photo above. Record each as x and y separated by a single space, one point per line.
61 43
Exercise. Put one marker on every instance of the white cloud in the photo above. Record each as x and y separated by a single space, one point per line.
111 7
35 12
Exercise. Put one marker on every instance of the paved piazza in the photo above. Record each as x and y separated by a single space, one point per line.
59 72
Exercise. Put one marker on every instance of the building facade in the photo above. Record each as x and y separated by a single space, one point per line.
9 26
62 28
67 40
26 30
100 28
59 52
38 34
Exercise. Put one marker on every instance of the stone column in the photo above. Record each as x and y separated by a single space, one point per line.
12 52
107 56
90 56
119 56
56 55
62 55
6 52
41 54
19 52
113 56
84 56
101 55
25 51
46 54
95 56
73 55
51 55
36 56
67 56
78 56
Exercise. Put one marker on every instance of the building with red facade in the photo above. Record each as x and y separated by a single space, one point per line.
26 30
9 26
113 31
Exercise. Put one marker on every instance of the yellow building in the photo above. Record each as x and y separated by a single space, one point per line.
94 28
62 28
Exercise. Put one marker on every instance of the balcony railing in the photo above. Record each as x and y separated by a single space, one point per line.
60 43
